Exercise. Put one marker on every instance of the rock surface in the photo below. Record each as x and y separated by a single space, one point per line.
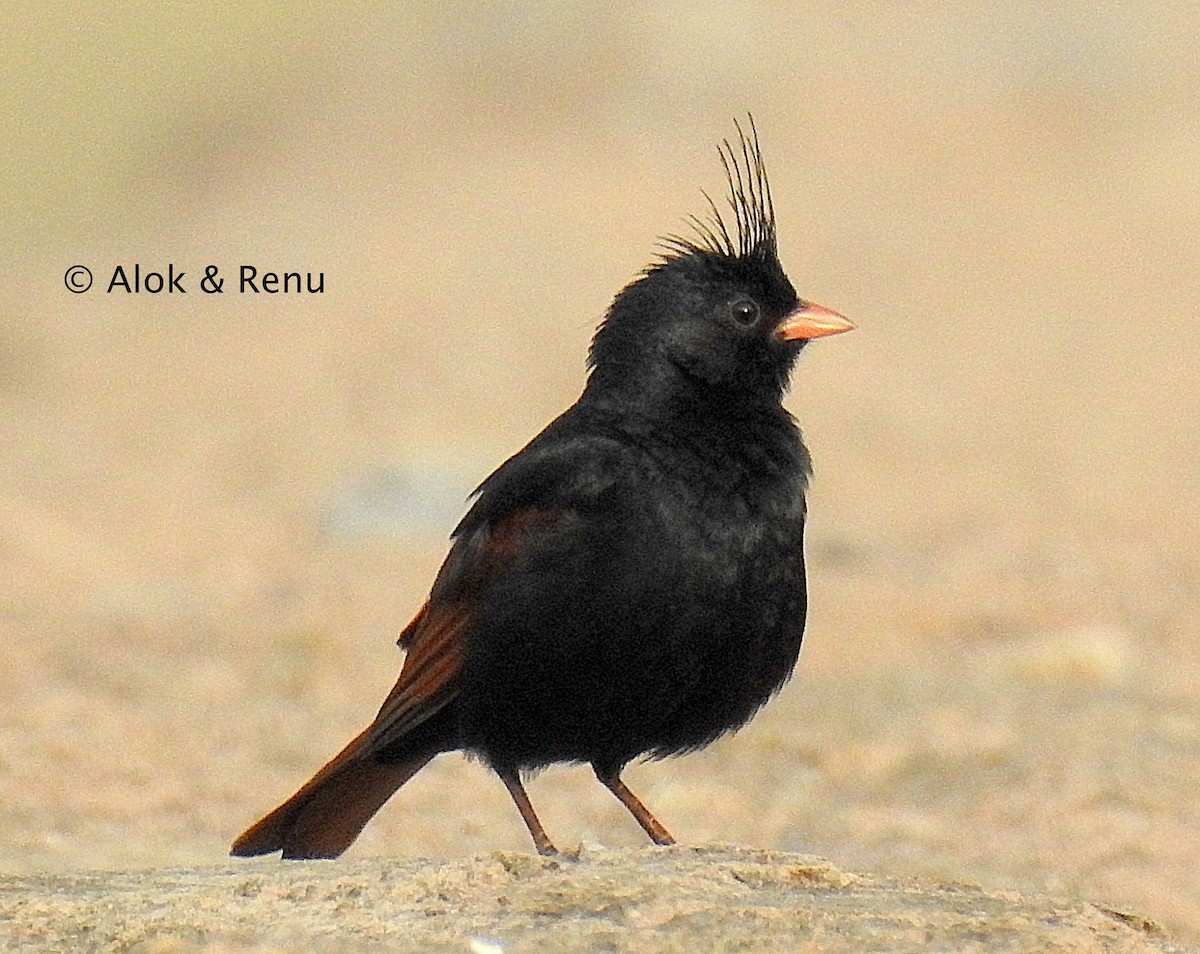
683 899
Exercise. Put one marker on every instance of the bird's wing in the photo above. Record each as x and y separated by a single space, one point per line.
517 509
436 638
539 488
328 812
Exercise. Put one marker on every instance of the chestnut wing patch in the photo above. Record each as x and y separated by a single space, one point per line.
436 639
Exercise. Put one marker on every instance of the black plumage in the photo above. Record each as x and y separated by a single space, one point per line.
631 583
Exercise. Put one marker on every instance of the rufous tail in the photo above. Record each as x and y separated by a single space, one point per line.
325 816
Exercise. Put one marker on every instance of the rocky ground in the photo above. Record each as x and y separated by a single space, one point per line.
717 898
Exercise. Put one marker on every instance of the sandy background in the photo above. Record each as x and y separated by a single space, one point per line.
218 511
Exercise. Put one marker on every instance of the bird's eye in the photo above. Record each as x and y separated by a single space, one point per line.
745 312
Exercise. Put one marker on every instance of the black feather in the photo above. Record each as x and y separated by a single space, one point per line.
749 198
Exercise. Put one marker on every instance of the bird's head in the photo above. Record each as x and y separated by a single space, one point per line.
716 312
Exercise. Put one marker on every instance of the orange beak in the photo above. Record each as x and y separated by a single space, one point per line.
808 320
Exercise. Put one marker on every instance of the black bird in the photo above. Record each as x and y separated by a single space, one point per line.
631 583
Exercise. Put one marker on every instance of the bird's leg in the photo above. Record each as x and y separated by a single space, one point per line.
650 824
512 781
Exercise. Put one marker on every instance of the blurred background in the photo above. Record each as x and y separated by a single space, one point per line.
218 511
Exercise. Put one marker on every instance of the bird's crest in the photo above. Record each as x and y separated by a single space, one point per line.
752 236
